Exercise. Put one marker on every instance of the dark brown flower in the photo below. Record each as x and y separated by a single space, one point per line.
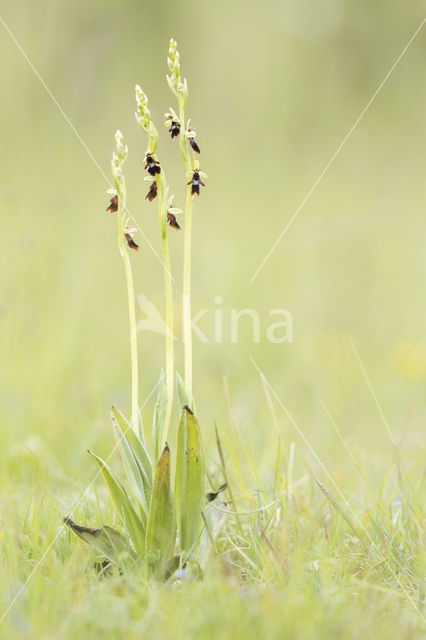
132 244
152 193
171 219
194 145
174 129
195 182
152 165
113 205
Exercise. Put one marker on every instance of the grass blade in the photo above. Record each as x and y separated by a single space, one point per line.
213 524
332 500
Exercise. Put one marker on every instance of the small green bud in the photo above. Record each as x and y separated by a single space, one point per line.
121 148
143 118
177 86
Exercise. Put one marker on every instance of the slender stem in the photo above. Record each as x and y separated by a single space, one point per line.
132 318
187 268
162 213
186 299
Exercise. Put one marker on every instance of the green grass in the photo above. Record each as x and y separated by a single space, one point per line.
306 566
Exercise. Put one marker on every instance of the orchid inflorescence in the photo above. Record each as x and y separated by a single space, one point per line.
165 527
180 128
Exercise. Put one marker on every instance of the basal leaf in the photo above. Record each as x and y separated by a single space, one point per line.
108 541
138 460
134 525
159 419
161 527
184 398
140 428
189 480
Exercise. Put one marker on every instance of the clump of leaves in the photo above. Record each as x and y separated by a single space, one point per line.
166 525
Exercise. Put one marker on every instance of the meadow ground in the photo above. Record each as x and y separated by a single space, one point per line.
331 541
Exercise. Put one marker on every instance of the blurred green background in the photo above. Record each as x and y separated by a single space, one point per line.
274 88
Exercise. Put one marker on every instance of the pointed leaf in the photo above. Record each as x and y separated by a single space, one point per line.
140 427
161 527
139 452
108 541
189 480
184 398
133 524
135 473
159 419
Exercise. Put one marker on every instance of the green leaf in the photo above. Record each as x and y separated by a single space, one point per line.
140 428
189 480
184 398
161 527
135 473
108 541
132 522
159 418
136 459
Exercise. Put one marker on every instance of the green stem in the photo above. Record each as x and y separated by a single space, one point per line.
187 268
132 317
186 299
162 213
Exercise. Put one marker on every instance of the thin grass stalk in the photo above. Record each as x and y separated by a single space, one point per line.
225 477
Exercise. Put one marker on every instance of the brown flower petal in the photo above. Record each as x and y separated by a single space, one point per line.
171 219
132 244
152 193
195 182
152 165
194 145
174 129
113 205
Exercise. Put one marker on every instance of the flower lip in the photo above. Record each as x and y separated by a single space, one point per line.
190 135
172 122
174 129
131 243
171 219
152 193
196 181
113 205
152 165
194 145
